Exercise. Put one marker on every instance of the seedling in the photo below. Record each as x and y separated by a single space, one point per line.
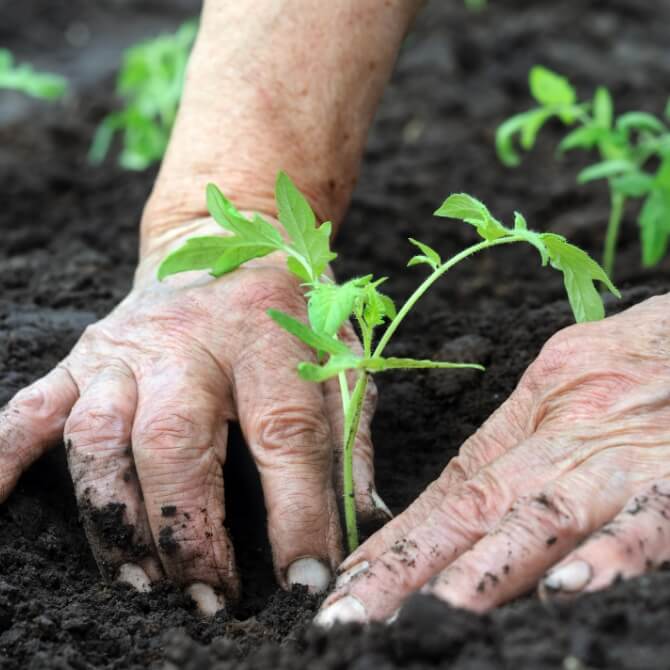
151 80
329 304
634 151
25 79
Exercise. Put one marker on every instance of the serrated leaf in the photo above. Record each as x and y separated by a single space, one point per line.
317 341
580 272
430 256
237 253
330 305
466 208
198 253
585 137
550 88
376 306
603 108
635 184
641 121
654 222
606 170
312 244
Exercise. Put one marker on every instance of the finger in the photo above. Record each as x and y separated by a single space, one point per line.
284 422
32 422
461 519
636 541
504 429
537 531
97 439
179 443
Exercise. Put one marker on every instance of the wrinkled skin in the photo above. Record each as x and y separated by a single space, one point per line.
568 483
143 403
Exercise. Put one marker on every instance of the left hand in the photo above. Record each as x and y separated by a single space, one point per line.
568 484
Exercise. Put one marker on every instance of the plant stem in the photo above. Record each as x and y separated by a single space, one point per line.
618 202
430 280
351 422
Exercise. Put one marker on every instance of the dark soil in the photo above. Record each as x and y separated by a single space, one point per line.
69 237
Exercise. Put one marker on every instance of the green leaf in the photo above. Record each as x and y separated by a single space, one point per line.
311 244
635 184
237 253
640 121
585 137
605 170
317 341
383 364
520 222
330 305
430 256
549 88
603 108
337 364
198 253
375 306
654 222
466 208
505 136
331 368
25 79
534 122
579 273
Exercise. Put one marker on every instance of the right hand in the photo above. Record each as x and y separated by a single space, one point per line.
143 403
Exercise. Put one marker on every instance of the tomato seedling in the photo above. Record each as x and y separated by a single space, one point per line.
634 152
329 304
151 80
25 79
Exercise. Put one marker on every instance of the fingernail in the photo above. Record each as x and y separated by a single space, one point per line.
380 504
346 576
345 610
132 574
394 617
209 602
309 572
569 578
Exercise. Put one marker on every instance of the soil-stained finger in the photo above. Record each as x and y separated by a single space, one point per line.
33 421
97 443
503 430
179 445
636 541
284 422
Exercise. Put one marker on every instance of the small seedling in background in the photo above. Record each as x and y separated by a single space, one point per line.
330 305
634 151
476 5
25 79
151 80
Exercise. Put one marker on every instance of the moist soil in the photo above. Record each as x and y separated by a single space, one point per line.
69 240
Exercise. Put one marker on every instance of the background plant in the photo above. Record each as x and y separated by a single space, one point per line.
634 152
330 305
151 80
25 79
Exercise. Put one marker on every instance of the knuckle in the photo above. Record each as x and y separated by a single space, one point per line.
167 428
545 517
292 431
37 401
91 425
482 500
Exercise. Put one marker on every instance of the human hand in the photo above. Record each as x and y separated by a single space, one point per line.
568 484
143 403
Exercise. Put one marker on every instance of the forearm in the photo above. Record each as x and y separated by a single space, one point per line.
276 84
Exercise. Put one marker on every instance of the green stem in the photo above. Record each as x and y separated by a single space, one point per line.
430 280
351 422
618 201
